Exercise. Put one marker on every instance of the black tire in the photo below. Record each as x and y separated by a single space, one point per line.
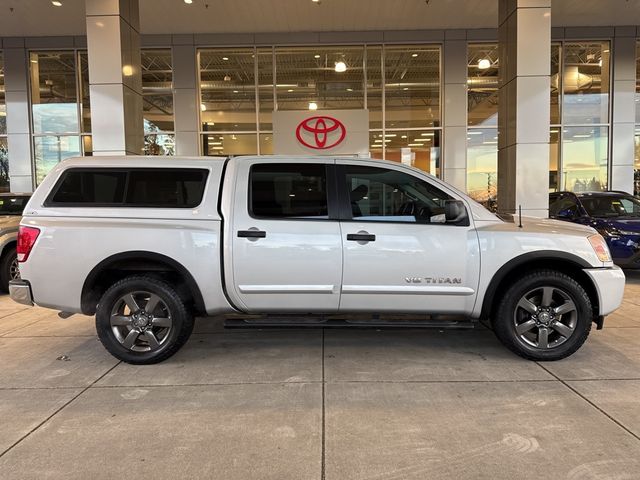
6 267
513 320
167 340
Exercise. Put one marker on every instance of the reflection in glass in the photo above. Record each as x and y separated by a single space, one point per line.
554 158
85 100
157 90
266 144
482 84
4 165
229 144
636 168
555 86
331 77
585 82
482 166
265 89
227 89
584 158
3 106
159 144
53 92
374 86
416 148
412 86
51 150
638 83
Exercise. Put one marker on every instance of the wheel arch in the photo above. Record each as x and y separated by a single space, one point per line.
554 260
121 265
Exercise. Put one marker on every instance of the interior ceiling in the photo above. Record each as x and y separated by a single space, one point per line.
39 17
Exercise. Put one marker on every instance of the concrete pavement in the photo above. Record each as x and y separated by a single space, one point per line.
333 404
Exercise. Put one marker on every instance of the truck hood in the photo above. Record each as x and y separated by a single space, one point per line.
510 223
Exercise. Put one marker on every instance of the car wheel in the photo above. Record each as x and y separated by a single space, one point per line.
545 315
9 269
142 320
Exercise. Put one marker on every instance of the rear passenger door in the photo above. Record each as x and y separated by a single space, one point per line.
286 249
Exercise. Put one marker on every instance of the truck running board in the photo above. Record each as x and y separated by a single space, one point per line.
373 321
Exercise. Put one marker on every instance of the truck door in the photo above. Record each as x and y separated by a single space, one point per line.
399 254
286 250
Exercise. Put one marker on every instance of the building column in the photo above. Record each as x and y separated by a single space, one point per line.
185 99
523 120
16 84
115 79
455 109
623 110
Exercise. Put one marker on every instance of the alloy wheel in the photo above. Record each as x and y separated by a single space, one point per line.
14 270
545 317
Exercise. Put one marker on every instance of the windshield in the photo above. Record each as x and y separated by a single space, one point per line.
10 205
611 206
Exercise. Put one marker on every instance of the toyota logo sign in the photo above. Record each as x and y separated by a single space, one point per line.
321 132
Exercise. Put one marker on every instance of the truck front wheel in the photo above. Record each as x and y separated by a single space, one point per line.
545 315
142 320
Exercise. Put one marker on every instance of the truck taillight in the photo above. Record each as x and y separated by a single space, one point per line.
27 237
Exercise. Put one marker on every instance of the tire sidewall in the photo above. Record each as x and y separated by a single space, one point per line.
505 328
179 316
5 268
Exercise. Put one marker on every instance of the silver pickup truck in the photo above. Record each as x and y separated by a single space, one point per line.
147 243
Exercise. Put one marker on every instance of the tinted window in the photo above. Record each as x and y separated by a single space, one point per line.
565 204
12 205
168 188
285 190
611 206
390 195
97 187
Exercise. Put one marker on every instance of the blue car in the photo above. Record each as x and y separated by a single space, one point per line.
616 215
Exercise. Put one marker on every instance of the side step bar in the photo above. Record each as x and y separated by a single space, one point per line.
328 322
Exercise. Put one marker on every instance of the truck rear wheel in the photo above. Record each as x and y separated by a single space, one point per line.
142 320
545 315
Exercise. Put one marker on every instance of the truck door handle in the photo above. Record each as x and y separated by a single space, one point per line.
361 237
251 234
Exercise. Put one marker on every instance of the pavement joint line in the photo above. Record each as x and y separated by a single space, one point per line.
16 443
4 335
324 436
52 336
602 411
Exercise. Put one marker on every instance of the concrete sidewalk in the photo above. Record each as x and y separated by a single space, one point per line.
316 404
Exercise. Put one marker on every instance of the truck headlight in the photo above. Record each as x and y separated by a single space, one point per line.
600 247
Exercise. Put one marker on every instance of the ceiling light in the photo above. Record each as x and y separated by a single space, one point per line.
225 59
227 78
429 134
203 107
313 106
188 2
600 63
403 136
414 55
235 91
316 1
349 89
484 63
290 90
340 67
416 145
56 3
316 56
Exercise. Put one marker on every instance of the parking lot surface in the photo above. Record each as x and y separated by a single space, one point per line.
317 404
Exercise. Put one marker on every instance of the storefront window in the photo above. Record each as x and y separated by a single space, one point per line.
4 150
636 171
59 107
579 136
157 107
412 86
482 113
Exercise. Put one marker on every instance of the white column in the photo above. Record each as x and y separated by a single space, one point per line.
623 110
16 84
113 42
455 110
185 99
523 121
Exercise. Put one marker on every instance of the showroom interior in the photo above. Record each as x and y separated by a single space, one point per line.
431 95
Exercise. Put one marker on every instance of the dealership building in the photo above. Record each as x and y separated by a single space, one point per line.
507 100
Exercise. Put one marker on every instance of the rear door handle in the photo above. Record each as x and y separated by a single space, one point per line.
361 237
251 234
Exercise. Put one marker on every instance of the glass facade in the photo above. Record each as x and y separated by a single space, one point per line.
636 170
399 85
157 106
60 108
580 116
482 115
4 148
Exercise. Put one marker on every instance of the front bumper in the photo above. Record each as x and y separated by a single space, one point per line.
20 291
609 283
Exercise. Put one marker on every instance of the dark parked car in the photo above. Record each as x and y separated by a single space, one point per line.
616 215
11 207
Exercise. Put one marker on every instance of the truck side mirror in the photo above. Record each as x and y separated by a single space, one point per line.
454 211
